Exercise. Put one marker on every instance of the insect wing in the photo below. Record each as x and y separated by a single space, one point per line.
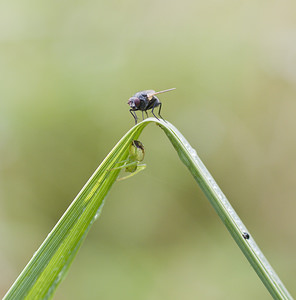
151 93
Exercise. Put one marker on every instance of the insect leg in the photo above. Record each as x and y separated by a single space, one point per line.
154 105
123 162
142 114
134 115
160 110
146 113
139 169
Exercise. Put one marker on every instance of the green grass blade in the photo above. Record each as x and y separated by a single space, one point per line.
48 266
225 211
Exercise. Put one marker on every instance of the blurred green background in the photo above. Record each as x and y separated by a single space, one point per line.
67 71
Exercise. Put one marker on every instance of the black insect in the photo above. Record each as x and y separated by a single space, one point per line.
144 101
246 236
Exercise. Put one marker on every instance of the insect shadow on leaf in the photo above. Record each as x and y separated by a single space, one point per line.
132 163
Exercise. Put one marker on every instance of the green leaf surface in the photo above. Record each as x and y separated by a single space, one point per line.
50 263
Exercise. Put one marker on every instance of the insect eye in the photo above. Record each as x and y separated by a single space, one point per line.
137 102
134 102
